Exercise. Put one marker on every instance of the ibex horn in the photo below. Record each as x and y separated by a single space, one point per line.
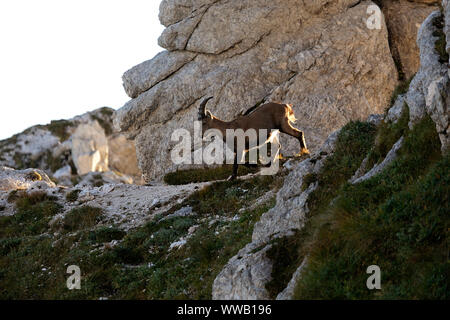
201 110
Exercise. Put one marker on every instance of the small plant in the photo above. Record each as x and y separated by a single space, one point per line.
72 196
98 180
12 196
33 212
81 218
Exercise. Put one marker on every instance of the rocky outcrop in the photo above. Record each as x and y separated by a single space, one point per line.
245 275
321 57
11 179
67 149
288 292
429 90
90 148
403 19
122 155
390 157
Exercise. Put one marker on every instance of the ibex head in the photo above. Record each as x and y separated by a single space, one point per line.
202 109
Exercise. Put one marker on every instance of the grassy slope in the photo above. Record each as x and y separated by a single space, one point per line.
33 260
398 220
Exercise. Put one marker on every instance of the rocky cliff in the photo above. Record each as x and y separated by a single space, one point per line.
321 57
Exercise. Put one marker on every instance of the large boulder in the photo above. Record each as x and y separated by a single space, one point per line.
90 148
319 56
11 179
122 155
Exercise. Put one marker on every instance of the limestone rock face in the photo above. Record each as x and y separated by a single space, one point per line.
122 155
90 148
319 56
403 21
245 275
429 90
145 75
446 7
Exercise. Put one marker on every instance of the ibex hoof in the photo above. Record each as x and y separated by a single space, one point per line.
302 152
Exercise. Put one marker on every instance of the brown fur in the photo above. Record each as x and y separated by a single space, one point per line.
270 116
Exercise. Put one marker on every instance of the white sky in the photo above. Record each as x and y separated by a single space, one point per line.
61 58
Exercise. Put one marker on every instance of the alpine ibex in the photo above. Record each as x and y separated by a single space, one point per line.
269 116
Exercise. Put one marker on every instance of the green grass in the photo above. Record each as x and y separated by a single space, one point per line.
34 211
387 135
308 179
203 175
81 218
106 234
397 220
286 254
353 143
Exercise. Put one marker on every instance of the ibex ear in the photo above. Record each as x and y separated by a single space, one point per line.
208 113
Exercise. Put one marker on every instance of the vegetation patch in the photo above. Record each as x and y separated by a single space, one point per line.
106 234
354 141
207 174
397 220
141 265
387 135
72 196
286 255
33 212
59 129
440 44
81 218
106 125
97 180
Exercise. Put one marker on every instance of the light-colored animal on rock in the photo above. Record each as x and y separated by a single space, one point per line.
269 116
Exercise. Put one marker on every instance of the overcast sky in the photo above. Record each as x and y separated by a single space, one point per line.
59 58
